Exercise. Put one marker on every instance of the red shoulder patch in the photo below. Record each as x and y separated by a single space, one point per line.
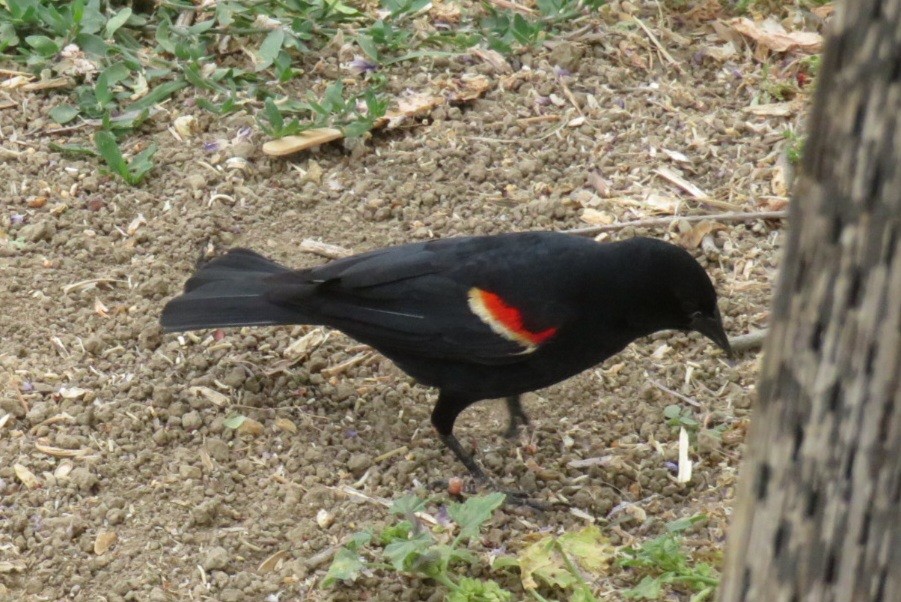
505 319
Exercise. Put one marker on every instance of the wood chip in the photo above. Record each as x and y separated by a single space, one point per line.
595 217
774 109
206 460
390 454
283 424
251 427
674 178
582 514
87 284
214 397
104 541
272 563
493 58
771 36
324 249
684 474
692 239
26 476
675 155
61 452
308 139
340 368
306 344
72 392
50 84
587 462
7 566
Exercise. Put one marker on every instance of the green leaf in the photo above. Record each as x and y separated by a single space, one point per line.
399 532
109 150
367 45
92 44
346 566
63 113
141 164
44 45
672 411
359 539
333 99
117 21
158 94
505 562
476 590
356 128
273 115
582 593
585 550
110 76
234 421
270 48
402 554
92 21
471 514
202 27
588 548
75 150
541 561
8 35
647 589
681 524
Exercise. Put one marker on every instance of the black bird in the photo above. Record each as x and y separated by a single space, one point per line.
477 317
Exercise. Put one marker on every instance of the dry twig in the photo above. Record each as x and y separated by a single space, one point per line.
738 216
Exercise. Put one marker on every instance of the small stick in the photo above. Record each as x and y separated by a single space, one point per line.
323 249
66 129
379 501
394 452
738 216
659 46
676 394
570 97
335 370
748 342
512 6
537 119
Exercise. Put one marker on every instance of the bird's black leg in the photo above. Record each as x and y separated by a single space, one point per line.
518 416
443 417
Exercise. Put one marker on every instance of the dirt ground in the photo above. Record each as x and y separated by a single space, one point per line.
123 429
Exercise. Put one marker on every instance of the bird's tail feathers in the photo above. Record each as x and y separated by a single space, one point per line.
230 290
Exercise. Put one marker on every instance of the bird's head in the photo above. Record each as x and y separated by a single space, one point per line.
676 292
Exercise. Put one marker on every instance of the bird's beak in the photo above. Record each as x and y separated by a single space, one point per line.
712 328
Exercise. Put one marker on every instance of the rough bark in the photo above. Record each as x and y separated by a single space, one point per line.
818 514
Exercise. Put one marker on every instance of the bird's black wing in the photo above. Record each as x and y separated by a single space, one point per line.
479 299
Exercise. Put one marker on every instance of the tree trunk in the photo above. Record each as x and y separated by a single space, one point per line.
818 510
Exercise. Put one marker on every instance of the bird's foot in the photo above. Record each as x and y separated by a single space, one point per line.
483 483
513 430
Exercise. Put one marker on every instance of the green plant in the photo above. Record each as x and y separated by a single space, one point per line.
121 62
795 146
131 170
562 562
409 546
677 416
663 562
354 115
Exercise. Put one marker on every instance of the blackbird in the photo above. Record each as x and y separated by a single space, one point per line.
477 317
